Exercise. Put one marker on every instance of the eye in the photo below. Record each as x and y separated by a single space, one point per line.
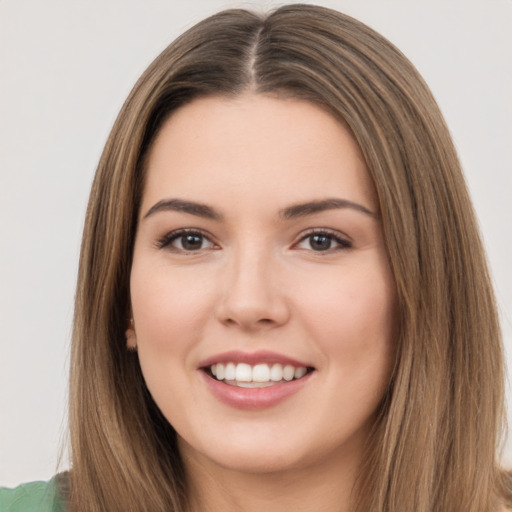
186 240
323 241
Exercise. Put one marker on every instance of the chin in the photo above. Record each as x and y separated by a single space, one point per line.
248 456
257 463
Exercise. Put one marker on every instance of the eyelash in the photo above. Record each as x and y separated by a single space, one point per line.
343 243
167 240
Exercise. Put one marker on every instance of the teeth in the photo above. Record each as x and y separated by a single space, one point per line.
276 373
260 375
230 371
300 372
220 372
288 372
243 372
249 384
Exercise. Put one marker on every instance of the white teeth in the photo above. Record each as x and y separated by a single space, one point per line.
249 384
300 372
276 372
230 371
260 375
288 372
220 371
243 372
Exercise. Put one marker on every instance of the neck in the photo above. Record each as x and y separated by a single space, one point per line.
323 488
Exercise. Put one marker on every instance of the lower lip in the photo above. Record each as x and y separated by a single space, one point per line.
254 398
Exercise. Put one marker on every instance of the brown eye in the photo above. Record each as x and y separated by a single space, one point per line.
189 242
186 241
320 242
323 241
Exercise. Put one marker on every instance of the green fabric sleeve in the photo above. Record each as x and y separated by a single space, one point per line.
31 497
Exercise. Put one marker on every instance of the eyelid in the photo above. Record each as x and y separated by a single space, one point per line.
165 241
343 241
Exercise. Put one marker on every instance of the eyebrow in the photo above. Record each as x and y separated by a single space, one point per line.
290 212
179 205
312 207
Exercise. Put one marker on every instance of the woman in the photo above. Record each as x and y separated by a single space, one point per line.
283 299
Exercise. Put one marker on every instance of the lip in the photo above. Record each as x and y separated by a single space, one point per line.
253 398
252 358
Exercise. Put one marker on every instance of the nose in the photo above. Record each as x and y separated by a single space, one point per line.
253 296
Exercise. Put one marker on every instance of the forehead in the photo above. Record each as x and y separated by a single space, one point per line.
255 147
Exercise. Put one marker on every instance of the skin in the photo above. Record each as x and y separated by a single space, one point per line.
257 281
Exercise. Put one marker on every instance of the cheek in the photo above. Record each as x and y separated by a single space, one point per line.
168 307
356 308
169 313
353 321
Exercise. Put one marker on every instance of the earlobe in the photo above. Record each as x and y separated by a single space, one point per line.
131 338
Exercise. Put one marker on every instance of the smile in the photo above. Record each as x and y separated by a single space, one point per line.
256 380
256 376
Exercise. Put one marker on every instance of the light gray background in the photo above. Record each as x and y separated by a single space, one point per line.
66 67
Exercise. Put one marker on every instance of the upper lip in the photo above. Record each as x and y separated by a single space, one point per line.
252 358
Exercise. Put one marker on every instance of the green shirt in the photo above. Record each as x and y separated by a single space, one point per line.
32 497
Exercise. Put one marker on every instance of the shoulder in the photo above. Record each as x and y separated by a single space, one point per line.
32 497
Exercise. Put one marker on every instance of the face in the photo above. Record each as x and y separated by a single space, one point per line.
262 297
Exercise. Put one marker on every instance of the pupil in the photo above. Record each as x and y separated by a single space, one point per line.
320 242
191 242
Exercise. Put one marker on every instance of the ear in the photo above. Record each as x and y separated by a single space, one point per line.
131 337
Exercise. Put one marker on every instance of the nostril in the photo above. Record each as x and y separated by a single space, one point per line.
250 311
261 321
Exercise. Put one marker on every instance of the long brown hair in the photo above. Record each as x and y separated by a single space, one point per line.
434 445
